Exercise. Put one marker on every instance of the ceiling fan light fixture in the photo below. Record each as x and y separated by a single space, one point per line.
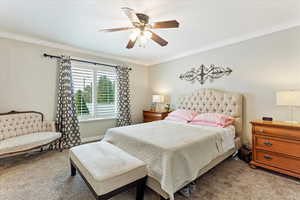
144 37
135 34
142 40
148 34
142 29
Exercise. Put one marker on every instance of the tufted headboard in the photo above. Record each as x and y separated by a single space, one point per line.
217 101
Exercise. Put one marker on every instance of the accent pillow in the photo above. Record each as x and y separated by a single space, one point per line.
213 119
182 115
172 118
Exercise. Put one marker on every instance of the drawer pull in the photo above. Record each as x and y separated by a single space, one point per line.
261 130
268 144
268 157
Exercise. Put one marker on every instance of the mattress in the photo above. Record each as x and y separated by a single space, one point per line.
173 151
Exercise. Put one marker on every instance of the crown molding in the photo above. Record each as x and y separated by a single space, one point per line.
231 41
27 39
216 45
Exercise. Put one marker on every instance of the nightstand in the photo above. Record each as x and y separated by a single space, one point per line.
150 116
276 146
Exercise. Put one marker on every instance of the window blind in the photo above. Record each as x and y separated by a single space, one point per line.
94 92
106 93
83 84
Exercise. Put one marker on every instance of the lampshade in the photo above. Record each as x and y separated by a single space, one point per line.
288 98
158 98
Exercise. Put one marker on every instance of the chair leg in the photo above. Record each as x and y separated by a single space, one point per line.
140 189
73 170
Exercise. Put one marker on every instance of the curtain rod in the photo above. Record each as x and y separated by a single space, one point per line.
83 61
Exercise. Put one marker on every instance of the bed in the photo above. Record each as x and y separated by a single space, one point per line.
177 153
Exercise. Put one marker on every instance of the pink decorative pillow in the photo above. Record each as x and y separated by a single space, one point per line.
181 115
213 119
175 119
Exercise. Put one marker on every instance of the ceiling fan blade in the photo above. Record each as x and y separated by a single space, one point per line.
158 39
131 43
131 15
166 24
116 29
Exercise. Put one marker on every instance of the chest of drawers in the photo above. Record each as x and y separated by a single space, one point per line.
276 146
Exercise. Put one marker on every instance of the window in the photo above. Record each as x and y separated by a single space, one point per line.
94 91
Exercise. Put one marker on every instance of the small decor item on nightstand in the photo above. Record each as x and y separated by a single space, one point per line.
168 107
267 119
203 73
290 99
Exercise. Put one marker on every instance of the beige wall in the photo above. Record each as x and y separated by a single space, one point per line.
260 66
28 82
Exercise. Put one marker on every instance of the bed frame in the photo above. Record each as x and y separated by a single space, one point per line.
210 100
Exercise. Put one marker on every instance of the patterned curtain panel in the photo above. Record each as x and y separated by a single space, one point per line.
66 118
123 104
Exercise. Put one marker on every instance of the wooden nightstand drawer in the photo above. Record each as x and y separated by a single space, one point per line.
151 119
283 146
150 116
277 131
279 161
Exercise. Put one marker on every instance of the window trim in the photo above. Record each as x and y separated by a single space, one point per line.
95 69
97 119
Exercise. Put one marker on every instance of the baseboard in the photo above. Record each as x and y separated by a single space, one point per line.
91 139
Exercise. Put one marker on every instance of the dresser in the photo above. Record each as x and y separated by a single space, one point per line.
276 146
150 116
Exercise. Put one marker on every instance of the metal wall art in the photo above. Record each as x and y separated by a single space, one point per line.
203 73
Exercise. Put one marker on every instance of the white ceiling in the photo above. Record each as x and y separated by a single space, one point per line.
203 23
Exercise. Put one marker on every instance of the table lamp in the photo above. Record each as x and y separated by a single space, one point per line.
156 100
290 99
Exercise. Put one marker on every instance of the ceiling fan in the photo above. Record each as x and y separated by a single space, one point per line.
142 29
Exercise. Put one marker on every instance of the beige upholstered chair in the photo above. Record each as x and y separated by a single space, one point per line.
25 131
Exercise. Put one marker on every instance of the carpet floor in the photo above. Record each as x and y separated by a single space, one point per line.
46 176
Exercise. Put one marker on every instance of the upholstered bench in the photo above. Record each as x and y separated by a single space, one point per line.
108 170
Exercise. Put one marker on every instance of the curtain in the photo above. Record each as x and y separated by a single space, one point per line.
66 118
123 102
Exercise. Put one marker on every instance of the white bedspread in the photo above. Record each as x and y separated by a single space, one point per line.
174 152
